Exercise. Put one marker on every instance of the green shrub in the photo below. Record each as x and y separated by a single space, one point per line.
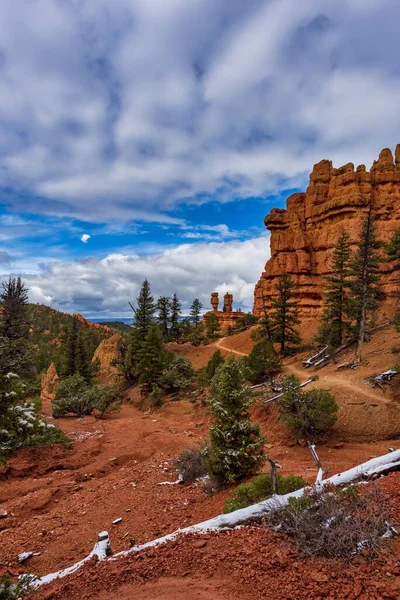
260 489
215 361
10 590
179 373
308 414
75 396
262 363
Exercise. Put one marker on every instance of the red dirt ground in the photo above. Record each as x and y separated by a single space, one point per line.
60 499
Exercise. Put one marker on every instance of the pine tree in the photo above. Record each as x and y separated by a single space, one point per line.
262 363
13 312
236 443
215 361
212 325
283 318
144 313
334 326
365 294
151 359
76 359
175 314
195 311
164 315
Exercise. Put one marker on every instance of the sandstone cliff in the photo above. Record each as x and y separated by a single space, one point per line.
304 234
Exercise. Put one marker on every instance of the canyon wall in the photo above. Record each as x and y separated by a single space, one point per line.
304 234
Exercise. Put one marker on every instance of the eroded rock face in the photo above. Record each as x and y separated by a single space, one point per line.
49 383
107 351
303 236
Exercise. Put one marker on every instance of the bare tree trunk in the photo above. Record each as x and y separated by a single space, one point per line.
274 478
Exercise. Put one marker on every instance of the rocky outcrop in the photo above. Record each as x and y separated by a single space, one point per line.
227 317
304 234
107 351
49 383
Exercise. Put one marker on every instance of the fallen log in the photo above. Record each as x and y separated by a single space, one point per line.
296 388
374 467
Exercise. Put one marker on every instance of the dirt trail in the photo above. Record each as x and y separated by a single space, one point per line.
336 380
220 345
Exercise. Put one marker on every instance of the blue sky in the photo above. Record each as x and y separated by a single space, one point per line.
149 139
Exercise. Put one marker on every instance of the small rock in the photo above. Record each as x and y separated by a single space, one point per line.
3 513
127 510
116 521
200 544
319 577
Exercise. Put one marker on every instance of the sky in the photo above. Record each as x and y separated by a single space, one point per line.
149 138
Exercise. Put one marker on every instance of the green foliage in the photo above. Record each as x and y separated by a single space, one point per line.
245 322
212 325
262 363
144 313
260 488
123 328
10 590
308 414
236 443
179 373
163 307
215 361
283 317
75 396
393 247
334 324
14 323
152 359
76 359
196 335
195 311
365 294
396 320
175 314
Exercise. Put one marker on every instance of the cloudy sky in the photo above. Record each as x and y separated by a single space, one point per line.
149 138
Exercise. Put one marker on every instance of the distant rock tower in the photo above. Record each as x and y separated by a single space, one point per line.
227 316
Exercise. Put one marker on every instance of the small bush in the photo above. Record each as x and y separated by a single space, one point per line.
308 414
260 489
215 361
179 374
75 396
190 464
10 590
332 523
262 363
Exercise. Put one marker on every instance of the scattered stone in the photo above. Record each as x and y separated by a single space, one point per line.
127 510
319 577
3 513
116 521
24 556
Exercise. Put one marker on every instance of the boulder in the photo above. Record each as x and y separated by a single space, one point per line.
49 383
105 354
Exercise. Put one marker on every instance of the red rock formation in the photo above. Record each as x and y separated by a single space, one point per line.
227 317
107 351
49 383
303 236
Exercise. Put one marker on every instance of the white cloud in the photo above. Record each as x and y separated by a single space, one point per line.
85 237
105 286
117 111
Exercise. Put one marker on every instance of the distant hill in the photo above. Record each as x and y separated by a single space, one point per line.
120 326
47 332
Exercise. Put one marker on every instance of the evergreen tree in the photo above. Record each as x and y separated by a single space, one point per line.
215 361
262 363
144 313
393 247
195 311
334 325
175 314
308 414
76 360
164 315
365 294
236 443
212 325
151 359
14 323
283 317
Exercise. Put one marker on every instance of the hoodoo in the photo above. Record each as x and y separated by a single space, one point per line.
304 234
227 317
